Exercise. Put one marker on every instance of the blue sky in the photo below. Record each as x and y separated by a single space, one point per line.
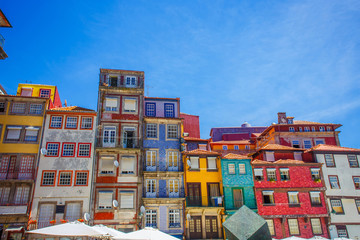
228 61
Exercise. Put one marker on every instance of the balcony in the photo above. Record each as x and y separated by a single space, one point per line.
164 168
164 194
205 201
153 225
107 141
119 83
9 209
17 175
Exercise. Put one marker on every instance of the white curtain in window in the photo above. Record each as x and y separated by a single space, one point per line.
126 200
128 164
107 164
194 162
258 171
73 211
111 102
211 162
130 104
31 131
13 132
105 199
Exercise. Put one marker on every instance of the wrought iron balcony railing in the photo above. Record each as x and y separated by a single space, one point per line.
204 201
106 141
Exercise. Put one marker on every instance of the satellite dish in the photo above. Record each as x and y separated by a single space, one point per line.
115 203
86 216
43 151
188 163
116 163
142 209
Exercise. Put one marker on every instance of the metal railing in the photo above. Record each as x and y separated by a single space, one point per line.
17 175
180 194
123 85
205 201
117 142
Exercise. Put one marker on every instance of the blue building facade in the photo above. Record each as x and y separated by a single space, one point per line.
238 183
163 191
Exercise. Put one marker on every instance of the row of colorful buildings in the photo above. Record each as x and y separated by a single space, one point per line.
138 161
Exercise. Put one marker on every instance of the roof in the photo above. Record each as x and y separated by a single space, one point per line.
200 152
235 156
107 70
280 147
195 139
231 142
4 22
283 161
332 148
160 98
16 96
72 108
189 114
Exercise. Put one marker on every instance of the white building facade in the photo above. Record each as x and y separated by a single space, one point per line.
64 176
342 180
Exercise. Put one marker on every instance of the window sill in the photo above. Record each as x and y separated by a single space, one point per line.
294 205
212 170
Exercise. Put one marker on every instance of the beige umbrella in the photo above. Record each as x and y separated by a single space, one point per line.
149 233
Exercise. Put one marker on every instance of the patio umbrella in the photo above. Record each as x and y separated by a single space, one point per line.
71 229
149 233
293 238
110 231
319 238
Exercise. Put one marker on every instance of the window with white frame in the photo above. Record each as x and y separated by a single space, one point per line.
13 133
353 161
46 214
268 197
270 223
73 211
68 150
172 159
291 129
307 144
329 160
342 231
151 185
293 198
4 195
242 169
127 199
56 121
130 105
334 182
65 178
258 174
174 218
194 162
319 141
151 130
172 131
81 178
130 81
127 165
293 226
313 129
105 199
22 195
31 134
322 129
284 174
52 149
71 122
173 186
150 158
211 163
307 129
45 93
315 198
336 206
36 108
86 122
48 178
300 129
84 150
151 218
111 104
231 168
18 107
316 225
271 174
106 165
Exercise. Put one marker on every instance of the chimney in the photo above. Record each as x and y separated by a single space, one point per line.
282 118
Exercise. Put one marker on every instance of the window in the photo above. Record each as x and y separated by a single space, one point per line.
26 167
307 129
172 159
293 227
284 174
291 129
258 172
270 223
224 147
236 147
71 122
169 110
109 136
127 165
2 106
271 174
173 187
31 134
315 198
174 218
150 109
45 93
27 92
293 198
328 129
81 178
18 107
313 129
111 104
315 174
151 186
48 178
172 131
268 197
211 163
316 225
150 158
322 129
107 165
194 162
68 150
13 133
36 108
307 144
130 105
84 150
334 182
86 122
295 144
353 162
56 122
290 121
269 156
357 204
247 147
203 146
150 218
151 130
22 195
130 81
342 231
73 211
52 149
231 167
242 169
65 178
336 206
113 81
329 160
298 156
319 141
300 129
4 195
126 199
356 182
46 214
105 200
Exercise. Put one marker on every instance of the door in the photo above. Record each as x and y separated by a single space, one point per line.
238 198
172 161
173 188
46 214
194 194
11 171
195 227
109 136
211 227
214 194
26 167
129 138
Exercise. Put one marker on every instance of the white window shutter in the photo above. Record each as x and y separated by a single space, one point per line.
126 200
13 133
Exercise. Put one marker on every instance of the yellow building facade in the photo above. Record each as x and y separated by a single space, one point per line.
204 191
40 90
